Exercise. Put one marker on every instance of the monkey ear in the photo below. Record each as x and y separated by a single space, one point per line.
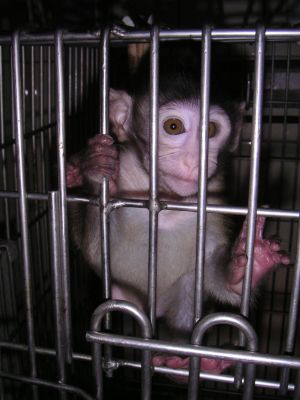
120 107
240 111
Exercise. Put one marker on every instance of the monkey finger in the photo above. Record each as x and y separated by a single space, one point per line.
101 139
73 176
98 162
260 224
98 172
281 258
285 259
240 247
177 362
275 246
237 269
97 150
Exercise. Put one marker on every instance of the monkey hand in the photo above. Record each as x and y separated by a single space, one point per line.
98 160
267 254
208 365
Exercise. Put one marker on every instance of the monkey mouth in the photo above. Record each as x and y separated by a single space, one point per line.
182 186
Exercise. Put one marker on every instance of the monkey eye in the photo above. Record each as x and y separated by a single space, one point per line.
212 129
174 126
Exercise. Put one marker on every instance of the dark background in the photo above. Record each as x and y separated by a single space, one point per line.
90 14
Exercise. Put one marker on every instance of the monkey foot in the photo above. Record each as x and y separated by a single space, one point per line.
267 254
208 365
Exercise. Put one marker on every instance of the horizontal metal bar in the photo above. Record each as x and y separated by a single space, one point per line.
190 350
120 35
262 383
164 205
216 34
42 351
44 197
41 382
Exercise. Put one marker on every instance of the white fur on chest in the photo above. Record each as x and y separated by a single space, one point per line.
177 232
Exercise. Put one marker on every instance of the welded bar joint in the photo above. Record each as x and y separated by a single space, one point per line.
146 329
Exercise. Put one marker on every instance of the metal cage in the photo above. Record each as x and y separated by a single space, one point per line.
49 105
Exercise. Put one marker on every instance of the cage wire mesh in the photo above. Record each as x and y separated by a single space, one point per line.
278 188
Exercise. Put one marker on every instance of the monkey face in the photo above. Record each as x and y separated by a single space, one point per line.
179 138
180 144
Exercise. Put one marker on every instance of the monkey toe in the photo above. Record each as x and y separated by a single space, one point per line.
170 361
207 365
214 366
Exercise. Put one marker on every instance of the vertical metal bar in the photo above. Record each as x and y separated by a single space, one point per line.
254 167
55 251
281 180
49 99
20 154
254 175
267 168
81 90
295 294
202 175
25 92
104 129
43 161
153 195
76 79
87 86
3 153
70 86
104 193
32 64
293 315
60 115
